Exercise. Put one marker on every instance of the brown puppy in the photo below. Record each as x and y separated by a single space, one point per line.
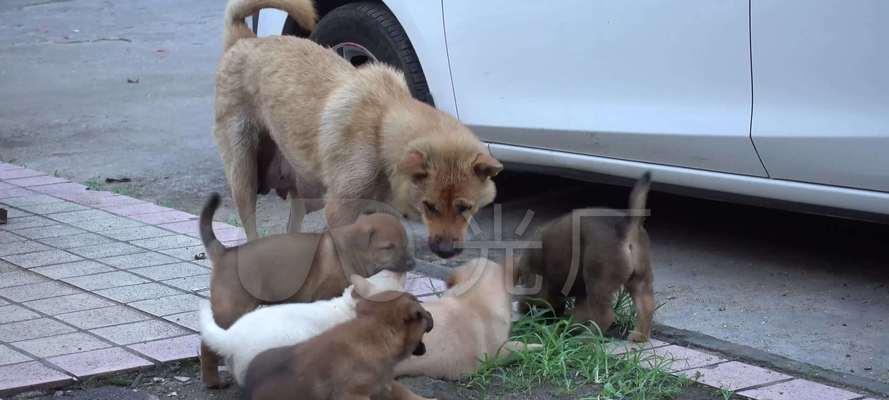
473 320
296 267
295 117
614 252
353 360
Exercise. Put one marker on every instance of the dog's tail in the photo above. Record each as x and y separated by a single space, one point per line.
212 334
211 243
638 198
303 11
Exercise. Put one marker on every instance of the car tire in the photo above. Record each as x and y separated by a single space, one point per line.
372 28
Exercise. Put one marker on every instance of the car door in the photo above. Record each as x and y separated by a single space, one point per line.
821 90
658 81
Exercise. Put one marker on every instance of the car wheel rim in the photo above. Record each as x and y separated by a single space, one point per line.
354 53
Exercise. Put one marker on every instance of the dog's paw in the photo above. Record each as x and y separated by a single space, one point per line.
637 337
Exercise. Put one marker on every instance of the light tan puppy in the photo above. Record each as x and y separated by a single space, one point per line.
355 134
472 320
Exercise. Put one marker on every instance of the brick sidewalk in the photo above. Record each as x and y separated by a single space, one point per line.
93 282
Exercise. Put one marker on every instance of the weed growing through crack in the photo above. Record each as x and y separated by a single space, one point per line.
573 355
233 220
726 393
93 183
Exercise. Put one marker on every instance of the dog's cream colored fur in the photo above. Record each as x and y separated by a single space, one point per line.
287 324
355 131
472 322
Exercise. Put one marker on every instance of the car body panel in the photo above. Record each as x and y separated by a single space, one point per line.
661 81
821 90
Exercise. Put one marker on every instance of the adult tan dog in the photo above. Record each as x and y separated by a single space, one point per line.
353 360
473 320
613 249
295 117
296 267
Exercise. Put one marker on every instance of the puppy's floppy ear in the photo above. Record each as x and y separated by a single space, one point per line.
414 164
486 166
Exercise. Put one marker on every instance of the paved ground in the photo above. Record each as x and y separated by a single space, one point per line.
92 282
812 289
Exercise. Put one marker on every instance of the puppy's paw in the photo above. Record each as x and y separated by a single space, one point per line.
637 337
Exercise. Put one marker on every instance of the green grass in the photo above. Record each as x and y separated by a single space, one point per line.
624 313
574 355
726 393
94 183
124 189
233 220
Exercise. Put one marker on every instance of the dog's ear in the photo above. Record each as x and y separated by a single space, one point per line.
486 166
414 164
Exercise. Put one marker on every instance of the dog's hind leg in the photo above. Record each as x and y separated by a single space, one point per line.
240 157
642 292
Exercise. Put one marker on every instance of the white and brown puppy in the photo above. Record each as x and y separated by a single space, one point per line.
472 319
288 324
351 361
295 117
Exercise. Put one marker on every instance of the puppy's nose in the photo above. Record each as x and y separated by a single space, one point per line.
444 248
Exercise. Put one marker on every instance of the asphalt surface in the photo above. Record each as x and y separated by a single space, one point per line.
95 89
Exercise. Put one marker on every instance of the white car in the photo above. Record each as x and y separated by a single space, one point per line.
755 99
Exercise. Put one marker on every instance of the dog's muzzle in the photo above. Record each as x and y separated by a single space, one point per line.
444 248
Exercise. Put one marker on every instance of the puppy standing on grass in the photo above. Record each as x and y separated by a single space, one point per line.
473 320
614 252
296 267
353 360
356 133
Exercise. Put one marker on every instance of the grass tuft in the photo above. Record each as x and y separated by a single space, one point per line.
574 355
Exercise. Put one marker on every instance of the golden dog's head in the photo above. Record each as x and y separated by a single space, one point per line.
446 180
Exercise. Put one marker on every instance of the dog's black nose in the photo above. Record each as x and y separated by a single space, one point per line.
444 248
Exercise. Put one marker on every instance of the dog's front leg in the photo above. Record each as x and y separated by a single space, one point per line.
210 368
297 213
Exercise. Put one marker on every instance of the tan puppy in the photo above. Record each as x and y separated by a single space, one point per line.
355 134
614 252
296 267
353 360
473 320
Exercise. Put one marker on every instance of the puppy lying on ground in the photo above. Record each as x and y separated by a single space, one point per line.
287 324
297 267
473 319
352 360
355 132
614 252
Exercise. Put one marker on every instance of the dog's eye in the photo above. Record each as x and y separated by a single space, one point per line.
462 208
430 207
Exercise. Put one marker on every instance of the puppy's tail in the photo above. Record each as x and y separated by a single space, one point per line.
213 246
303 11
638 198
212 334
